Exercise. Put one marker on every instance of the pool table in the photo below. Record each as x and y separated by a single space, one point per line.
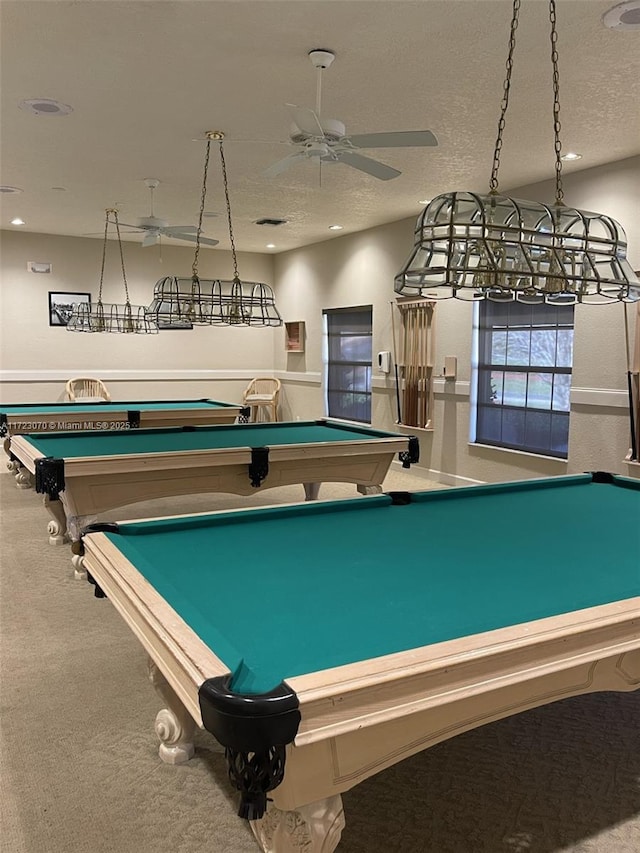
83 474
379 627
22 418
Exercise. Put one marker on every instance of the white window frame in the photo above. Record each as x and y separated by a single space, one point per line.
477 367
326 364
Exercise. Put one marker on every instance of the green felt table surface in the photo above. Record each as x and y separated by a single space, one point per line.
135 405
109 443
342 581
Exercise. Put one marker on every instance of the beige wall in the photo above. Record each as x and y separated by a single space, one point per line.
360 268
356 269
227 357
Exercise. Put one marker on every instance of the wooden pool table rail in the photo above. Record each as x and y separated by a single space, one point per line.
363 717
119 416
95 484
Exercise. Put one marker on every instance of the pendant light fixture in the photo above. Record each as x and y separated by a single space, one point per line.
123 318
213 302
472 246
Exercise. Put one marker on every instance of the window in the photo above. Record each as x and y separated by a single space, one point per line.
347 361
523 373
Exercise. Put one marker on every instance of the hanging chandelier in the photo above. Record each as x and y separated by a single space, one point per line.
472 246
123 318
213 302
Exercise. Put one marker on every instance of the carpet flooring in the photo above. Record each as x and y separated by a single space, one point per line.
80 772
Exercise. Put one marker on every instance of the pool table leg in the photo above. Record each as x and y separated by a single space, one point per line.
311 491
174 724
57 527
369 490
24 478
314 828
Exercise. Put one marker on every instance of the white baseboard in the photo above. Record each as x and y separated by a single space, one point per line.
439 476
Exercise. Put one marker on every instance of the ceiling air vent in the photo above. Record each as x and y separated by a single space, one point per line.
271 221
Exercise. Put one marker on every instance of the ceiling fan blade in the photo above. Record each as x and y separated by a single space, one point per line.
183 229
282 165
135 227
395 139
150 239
306 120
366 164
191 238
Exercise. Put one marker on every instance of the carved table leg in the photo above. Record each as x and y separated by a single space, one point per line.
57 527
24 480
12 464
79 571
75 525
314 828
311 491
369 490
174 725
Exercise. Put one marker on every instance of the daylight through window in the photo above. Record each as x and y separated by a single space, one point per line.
523 376
348 359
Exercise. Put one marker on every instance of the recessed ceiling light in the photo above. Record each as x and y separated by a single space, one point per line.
6 189
210 214
18 221
624 16
571 155
59 189
271 245
45 107
336 227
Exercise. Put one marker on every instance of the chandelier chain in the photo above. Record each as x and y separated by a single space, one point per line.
236 276
104 254
493 183
556 102
203 195
124 275
112 218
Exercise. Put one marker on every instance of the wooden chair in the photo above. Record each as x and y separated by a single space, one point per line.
261 396
85 388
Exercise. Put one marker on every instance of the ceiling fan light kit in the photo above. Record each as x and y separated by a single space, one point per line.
123 318
180 302
325 140
472 246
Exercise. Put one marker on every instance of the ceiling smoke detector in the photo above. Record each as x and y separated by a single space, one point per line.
624 16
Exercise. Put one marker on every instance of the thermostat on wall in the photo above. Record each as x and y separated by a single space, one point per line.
384 362
39 266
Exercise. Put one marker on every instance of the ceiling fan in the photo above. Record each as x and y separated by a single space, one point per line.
326 140
154 228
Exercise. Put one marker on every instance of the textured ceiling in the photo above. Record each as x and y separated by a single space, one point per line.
146 78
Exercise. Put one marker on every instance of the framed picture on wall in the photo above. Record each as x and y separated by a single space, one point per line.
61 306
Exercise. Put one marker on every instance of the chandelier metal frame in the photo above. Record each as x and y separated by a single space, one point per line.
180 301
119 318
473 246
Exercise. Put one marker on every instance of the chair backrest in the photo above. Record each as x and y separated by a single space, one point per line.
82 387
264 386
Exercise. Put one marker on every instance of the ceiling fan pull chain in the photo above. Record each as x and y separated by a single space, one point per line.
319 90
